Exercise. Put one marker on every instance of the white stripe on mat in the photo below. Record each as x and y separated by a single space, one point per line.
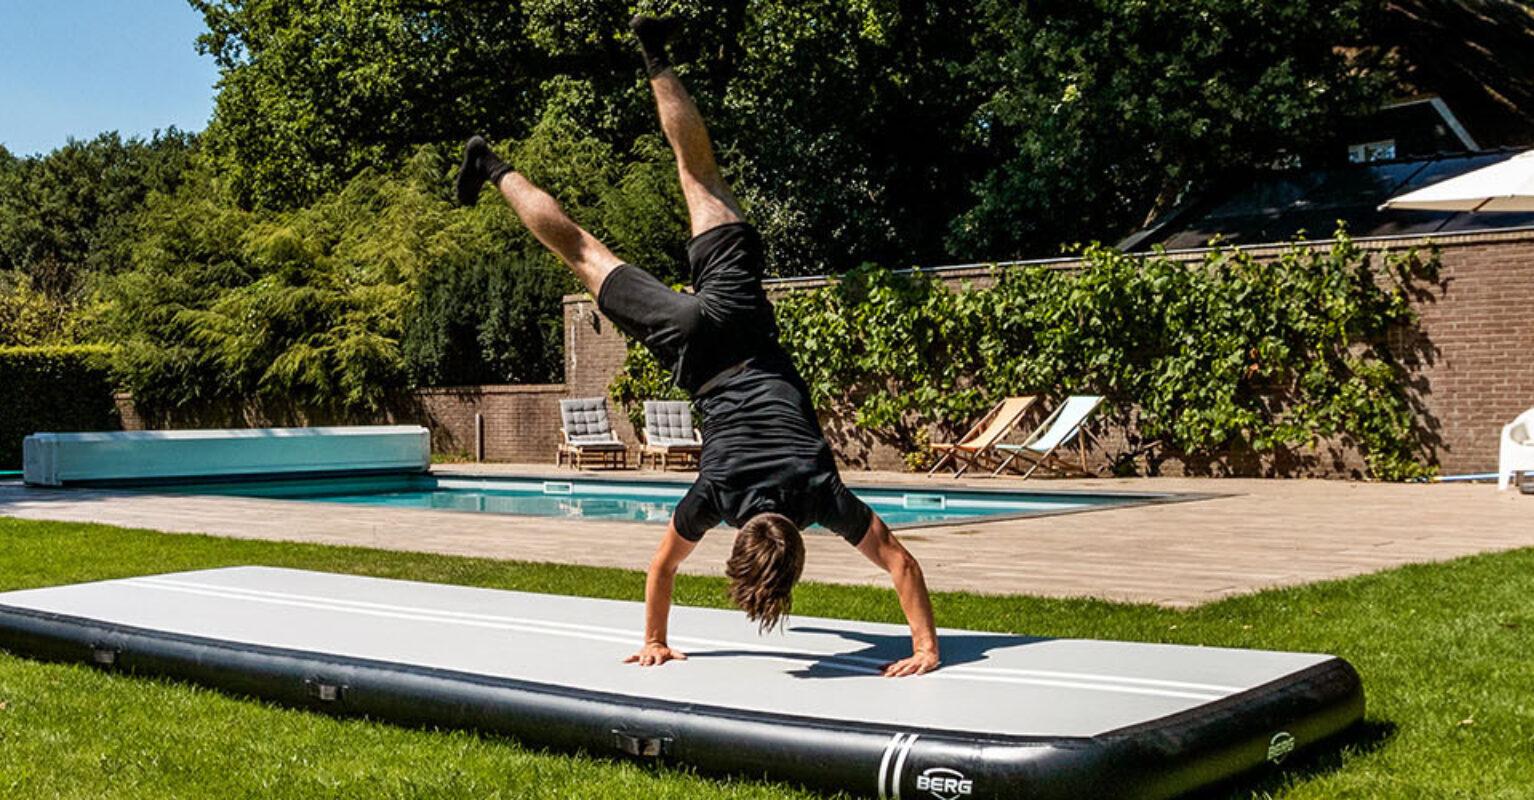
844 663
905 750
884 764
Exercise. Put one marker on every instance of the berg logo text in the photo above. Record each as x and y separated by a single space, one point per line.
944 783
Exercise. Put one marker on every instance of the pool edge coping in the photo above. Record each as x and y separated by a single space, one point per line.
1133 498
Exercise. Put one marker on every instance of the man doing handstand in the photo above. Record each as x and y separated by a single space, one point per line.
765 467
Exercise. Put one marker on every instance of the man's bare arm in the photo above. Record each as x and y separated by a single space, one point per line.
882 548
660 581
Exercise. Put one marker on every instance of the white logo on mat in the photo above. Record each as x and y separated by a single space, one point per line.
944 783
1280 746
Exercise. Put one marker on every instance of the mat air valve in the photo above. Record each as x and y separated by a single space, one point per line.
324 692
641 745
104 656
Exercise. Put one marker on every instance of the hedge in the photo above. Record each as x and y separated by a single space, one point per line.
65 388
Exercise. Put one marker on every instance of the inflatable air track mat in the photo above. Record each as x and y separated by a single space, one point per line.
1006 716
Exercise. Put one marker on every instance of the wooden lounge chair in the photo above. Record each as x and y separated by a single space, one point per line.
587 435
668 435
1040 450
978 444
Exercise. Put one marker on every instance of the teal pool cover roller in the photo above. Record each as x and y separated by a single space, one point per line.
126 457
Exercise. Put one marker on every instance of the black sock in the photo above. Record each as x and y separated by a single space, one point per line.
480 164
652 33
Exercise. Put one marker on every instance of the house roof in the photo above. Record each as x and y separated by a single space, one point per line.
1477 54
1280 206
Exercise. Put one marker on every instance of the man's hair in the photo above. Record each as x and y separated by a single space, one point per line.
763 567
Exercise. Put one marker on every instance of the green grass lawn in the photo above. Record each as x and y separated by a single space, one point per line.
1446 652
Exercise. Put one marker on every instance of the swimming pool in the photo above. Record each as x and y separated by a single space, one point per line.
648 500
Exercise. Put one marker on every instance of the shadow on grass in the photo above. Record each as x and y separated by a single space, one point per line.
1319 759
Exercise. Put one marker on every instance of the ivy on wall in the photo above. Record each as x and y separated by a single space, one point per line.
1230 353
642 378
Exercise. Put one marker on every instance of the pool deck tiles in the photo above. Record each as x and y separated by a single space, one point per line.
1253 534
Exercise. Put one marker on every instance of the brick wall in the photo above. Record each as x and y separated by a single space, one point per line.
128 413
521 423
1470 373
594 353
1479 337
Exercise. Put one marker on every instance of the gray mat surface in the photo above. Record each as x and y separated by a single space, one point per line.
994 683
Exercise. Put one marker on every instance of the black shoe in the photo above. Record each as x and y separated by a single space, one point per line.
652 33
480 164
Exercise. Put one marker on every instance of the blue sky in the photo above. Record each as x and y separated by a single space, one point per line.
75 68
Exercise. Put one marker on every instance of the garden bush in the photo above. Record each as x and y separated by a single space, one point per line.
53 389
492 319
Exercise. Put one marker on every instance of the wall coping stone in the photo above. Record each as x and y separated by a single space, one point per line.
1447 240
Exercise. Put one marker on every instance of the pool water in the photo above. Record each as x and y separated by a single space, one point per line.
643 501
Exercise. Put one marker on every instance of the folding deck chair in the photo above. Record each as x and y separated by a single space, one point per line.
1058 430
979 442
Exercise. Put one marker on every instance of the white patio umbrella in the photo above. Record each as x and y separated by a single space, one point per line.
1503 186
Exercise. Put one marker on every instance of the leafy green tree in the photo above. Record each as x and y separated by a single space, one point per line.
10 174
29 318
331 310
64 215
188 252
894 132
846 123
1098 115
303 309
312 93
303 248
493 319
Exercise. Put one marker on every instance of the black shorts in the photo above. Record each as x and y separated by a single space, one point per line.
726 320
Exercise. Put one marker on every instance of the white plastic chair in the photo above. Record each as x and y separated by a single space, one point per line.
1517 453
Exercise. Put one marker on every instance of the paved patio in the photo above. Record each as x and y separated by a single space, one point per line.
1255 534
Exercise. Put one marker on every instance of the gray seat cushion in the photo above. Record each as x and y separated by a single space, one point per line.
660 441
586 422
669 423
596 441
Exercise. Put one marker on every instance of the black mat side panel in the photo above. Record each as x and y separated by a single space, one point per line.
1163 758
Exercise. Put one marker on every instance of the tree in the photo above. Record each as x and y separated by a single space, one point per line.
300 310
493 319
894 131
848 123
1101 114
303 248
312 93
330 310
62 214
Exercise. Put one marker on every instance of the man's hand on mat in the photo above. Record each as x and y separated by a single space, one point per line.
654 654
920 663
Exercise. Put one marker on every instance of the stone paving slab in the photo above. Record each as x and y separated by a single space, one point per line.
1253 534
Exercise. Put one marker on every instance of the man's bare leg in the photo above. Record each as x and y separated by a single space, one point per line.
587 257
709 200
710 203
